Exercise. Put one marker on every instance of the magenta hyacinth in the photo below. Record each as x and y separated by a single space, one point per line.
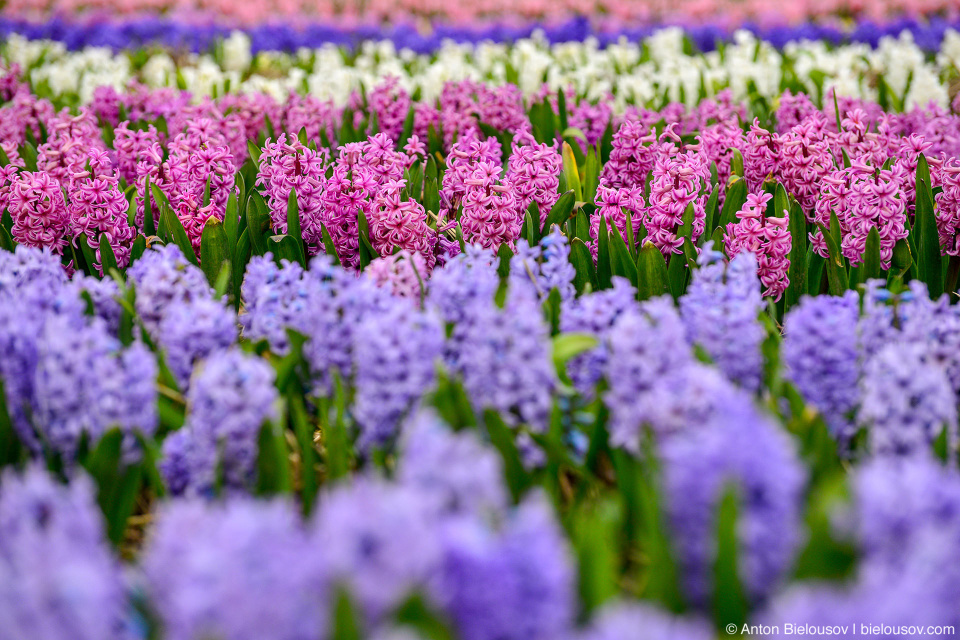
768 237
491 212
38 211
533 172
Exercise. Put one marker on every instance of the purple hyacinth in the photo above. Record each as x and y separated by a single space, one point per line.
595 313
645 346
230 398
736 449
378 541
395 359
467 278
58 578
238 570
515 584
275 298
455 471
636 621
720 312
504 359
820 355
103 294
85 383
544 267
907 402
163 277
191 331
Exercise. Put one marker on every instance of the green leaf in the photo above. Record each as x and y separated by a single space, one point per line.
293 227
591 176
335 437
583 264
89 257
530 230
239 265
108 260
254 152
871 255
736 163
836 271
346 621
308 453
902 258
595 537
273 465
214 250
258 222
622 263
284 247
149 223
604 271
729 599
367 253
117 484
652 270
418 615
502 439
677 272
176 233
569 345
929 262
798 255
559 212
231 225
504 254
329 248
570 171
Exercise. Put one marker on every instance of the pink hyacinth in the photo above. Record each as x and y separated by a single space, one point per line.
403 273
533 172
948 209
805 159
98 207
287 166
632 156
71 142
401 224
863 198
301 112
461 162
612 206
761 151
679 178
38 211
391 103
767 237
131 147
491 213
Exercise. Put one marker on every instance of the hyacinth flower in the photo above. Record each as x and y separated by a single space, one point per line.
403 274
230 398
948 209
736 449
645 346
767 237
863 198
39 212
720 312
821 357
58 576
596 314
191 331
163 276
503 358
513 584
70 143
491 213
632 156
98 208
534 173
545 267
907 403
290 166
397 224
456 472
379 541
395 358
242 569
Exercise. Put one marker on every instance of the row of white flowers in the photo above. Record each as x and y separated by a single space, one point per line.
644 72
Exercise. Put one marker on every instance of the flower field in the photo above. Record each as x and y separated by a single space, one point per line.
582 329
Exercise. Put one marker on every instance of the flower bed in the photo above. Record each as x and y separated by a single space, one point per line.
501 341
